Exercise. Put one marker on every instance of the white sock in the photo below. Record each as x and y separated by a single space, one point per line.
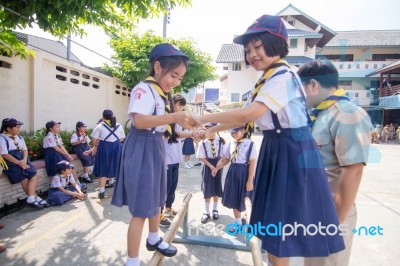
38 199
238 220
111 180
153 238
31 199
207 207
102 189
86 175
133 261
215 208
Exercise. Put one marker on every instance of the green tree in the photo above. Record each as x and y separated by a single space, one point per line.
132 63
60 17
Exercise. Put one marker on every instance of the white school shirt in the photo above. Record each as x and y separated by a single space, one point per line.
173 151
4 139
202 154
101 132
143 100
75 138
243 150
283 96
51 141
59 181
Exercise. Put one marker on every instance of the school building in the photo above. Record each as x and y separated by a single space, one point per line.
50 87
360 57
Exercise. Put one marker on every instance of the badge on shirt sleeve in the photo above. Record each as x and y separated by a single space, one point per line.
138 93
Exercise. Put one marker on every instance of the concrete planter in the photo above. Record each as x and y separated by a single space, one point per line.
10 194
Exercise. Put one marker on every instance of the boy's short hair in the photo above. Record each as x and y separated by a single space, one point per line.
322 71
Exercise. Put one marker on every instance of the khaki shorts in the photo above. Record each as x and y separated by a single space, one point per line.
341 258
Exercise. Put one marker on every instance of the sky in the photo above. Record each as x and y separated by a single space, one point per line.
211 23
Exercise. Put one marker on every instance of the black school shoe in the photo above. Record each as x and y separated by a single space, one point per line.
204 218
170 251
101 195
108 184
83 179
35 205
215 215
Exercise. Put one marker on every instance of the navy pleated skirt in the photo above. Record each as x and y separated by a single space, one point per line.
106 159
211 185
188 147
235 187
141 182
291 187
15 173
51 158
85 160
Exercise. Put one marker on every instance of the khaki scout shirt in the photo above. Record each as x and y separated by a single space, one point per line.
342 133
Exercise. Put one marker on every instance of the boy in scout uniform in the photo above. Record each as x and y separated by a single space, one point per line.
342 132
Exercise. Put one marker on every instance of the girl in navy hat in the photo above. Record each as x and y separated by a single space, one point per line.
63 186
290 184
15 162
141 182
242 155
209 152
107 137
80 144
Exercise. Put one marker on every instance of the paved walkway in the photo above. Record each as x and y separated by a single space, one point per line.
92 232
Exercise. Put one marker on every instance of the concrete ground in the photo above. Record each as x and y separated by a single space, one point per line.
92 232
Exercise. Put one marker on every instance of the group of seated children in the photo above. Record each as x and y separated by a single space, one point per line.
65 183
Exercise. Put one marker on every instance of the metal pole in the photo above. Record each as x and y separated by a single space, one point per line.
165 26
69 47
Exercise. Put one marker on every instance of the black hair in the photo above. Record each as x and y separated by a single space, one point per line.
178 98
273 45
168 63
112 118
322 71
4 127
221 138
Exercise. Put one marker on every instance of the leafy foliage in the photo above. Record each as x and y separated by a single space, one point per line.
131 55
59 17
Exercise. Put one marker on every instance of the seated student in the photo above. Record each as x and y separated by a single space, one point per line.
63 186
54 150
80 143
15 163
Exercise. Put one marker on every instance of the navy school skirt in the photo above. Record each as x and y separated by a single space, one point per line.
235 187
51 158
56 197
15 173
141 182
85 160
211 185
291 187
107 158
188 147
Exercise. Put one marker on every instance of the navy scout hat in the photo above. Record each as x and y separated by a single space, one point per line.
80 124
234 130
9 122
266 23
63 165
51 124
165 49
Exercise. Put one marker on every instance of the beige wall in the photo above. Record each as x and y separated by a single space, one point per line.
30 92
